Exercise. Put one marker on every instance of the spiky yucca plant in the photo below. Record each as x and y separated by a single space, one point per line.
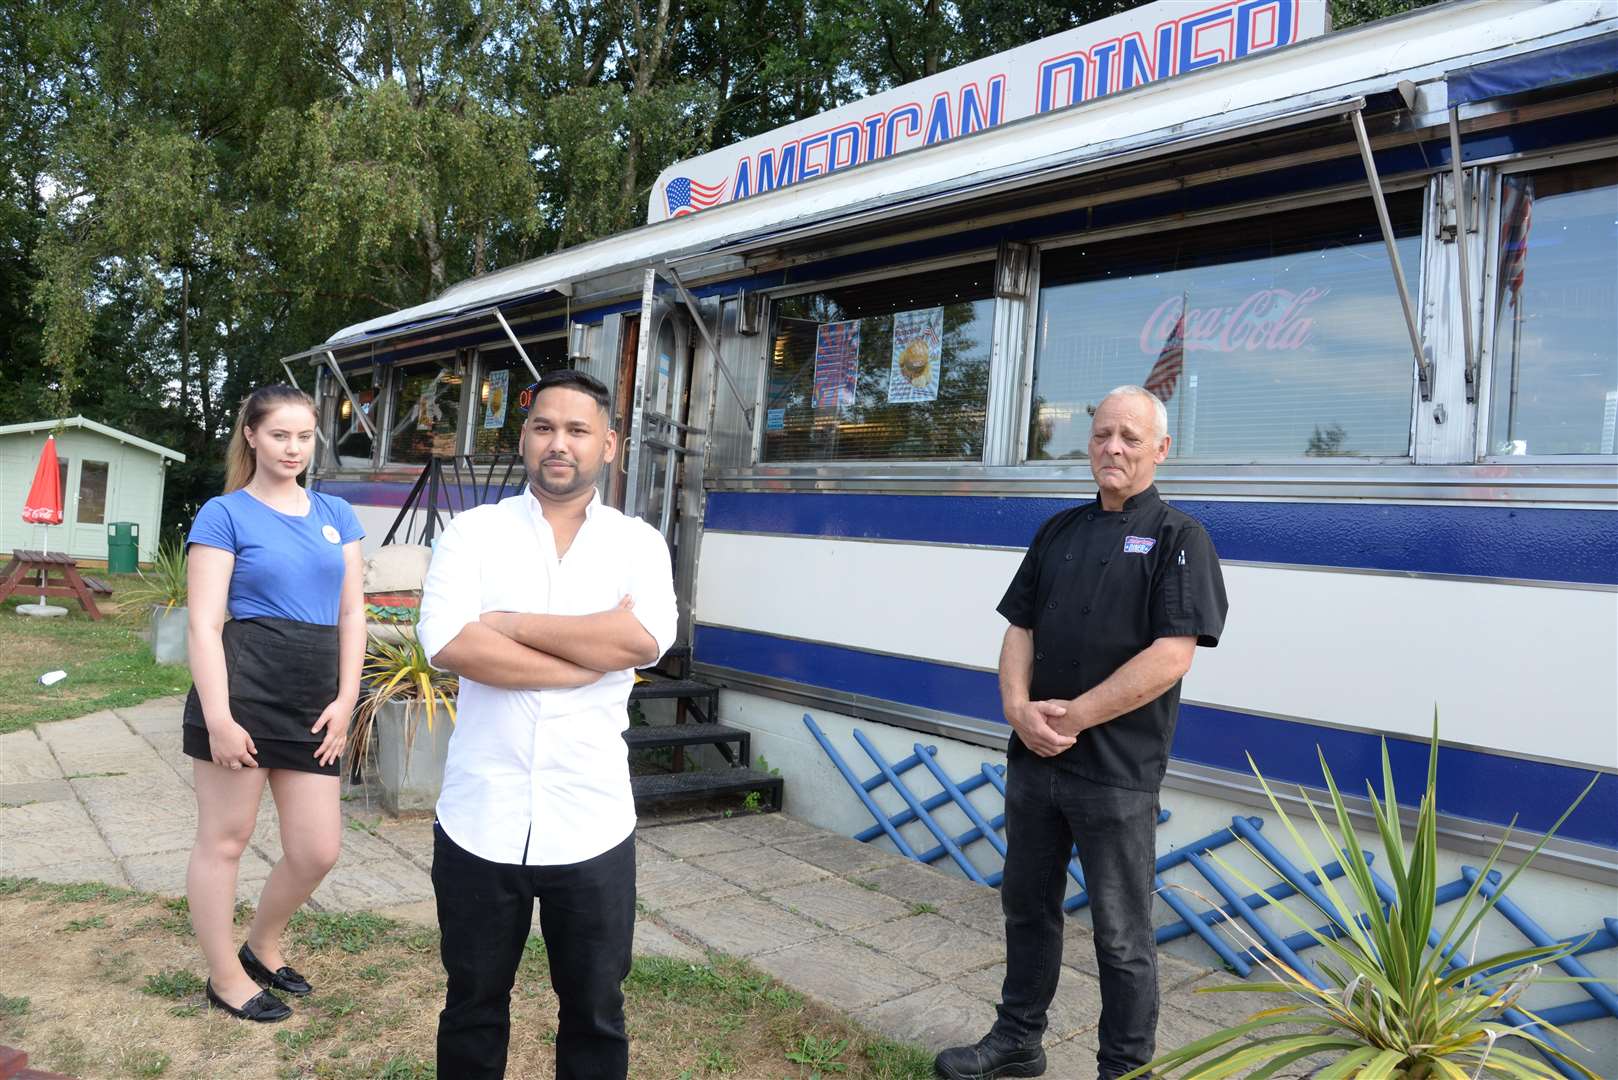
398 671
162 585
1393 1007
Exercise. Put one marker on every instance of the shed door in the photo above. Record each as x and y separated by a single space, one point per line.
94 483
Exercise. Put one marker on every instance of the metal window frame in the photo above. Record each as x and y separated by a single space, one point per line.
987 255
1236 212
1510 165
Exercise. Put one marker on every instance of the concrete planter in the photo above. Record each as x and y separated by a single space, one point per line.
409 779
169 635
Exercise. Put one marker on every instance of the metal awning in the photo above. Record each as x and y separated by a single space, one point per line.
1574 61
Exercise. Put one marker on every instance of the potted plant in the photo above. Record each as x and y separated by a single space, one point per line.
160 595
1400 1001
400 693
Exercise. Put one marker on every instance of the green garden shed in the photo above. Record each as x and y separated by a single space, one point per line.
107 476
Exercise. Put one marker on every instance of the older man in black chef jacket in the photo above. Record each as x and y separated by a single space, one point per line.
1106 610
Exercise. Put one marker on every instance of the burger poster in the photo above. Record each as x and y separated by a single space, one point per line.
918 353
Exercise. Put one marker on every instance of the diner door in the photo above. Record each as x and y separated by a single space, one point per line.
655 455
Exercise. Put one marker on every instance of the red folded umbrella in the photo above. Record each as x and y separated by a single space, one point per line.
44 503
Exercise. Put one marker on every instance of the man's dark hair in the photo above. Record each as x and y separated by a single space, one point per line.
570 379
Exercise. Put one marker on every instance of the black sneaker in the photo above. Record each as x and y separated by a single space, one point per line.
990 1057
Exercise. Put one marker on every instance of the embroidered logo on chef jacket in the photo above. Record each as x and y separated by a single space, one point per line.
1138 545
330 533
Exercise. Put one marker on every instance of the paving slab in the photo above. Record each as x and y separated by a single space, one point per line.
842 855
107 870
652 939
772 828
44 834
1071 1059
914 883
1222 1010
934 945
368 886
742 925
98 743
419 912
759 869
694 838
1076 1007
164 873
155 716
410 837
981 911
35 791
841 973
935 1017
839 905
661 886
26 758
1079 948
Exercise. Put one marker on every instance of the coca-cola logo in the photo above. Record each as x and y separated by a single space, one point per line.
1269 319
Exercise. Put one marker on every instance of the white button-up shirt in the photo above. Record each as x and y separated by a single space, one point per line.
541 776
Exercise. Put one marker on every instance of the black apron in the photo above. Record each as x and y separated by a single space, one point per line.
281 674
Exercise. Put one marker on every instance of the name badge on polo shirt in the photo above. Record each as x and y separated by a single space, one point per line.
330 533
1139 545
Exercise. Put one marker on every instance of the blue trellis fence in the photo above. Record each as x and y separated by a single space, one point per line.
1599 1003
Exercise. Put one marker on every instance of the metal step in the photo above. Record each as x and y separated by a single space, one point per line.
658 687
649 737
656 788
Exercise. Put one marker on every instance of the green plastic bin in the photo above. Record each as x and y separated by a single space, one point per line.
123 547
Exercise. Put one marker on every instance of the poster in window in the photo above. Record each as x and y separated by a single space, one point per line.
837 364
499 384
918 355
426 408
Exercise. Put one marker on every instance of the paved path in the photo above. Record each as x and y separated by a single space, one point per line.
907 950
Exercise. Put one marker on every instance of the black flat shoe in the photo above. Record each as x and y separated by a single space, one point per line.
262 1008
283 979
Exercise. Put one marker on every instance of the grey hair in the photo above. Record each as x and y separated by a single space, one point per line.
1159 411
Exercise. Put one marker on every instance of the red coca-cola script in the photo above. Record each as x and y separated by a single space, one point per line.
1269 319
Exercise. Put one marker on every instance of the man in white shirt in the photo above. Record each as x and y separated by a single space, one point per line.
543 604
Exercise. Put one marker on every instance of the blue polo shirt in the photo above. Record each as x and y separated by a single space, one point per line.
287 567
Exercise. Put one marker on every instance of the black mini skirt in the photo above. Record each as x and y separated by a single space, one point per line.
281 676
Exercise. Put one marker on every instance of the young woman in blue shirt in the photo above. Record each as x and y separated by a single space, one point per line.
277 637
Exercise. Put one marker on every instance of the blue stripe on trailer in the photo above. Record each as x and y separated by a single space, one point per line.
1474 784
1534 543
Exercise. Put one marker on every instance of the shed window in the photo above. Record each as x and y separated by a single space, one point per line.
505 388
92 493
350 442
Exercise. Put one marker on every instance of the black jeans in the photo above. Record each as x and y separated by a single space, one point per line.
1047 811
587 918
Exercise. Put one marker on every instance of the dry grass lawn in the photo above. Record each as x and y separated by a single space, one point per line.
104 982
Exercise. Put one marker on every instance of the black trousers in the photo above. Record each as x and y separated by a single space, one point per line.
1047 811
587 918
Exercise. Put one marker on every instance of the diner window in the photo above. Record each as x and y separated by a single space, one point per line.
1554 384
893 369
350 442
1268 338
505 388
92 493
426 411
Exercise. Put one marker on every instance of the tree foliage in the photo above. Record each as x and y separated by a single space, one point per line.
192 188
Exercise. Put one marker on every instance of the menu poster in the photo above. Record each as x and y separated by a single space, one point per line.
499 385
837 364
918 356
426 407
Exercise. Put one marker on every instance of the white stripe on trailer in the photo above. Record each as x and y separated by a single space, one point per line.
1518 669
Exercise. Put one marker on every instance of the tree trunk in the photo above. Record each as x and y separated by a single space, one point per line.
185 339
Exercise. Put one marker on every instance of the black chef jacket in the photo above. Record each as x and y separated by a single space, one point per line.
1096 587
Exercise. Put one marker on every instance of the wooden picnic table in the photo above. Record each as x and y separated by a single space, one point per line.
30 573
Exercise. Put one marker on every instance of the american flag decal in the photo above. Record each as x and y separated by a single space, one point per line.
686 196
1170 362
